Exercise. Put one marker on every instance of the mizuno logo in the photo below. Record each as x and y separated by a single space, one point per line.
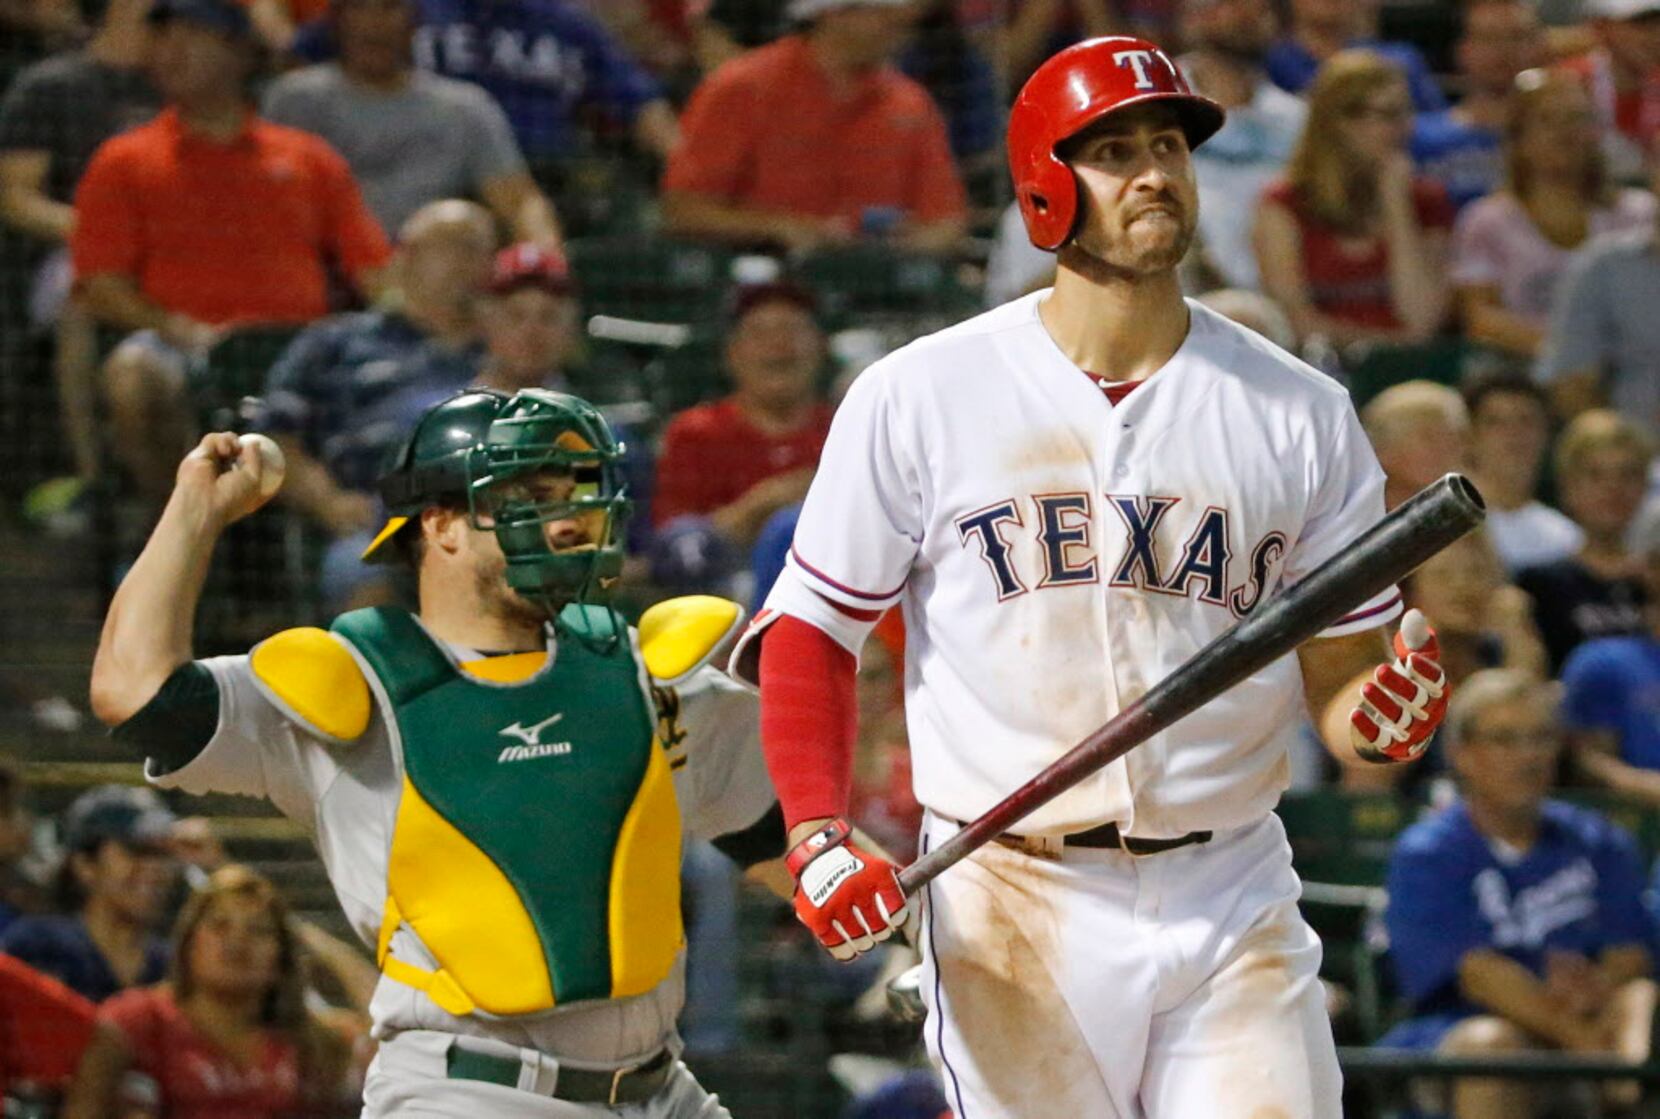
531 736
540 750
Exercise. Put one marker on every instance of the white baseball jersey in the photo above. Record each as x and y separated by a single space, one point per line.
1056 556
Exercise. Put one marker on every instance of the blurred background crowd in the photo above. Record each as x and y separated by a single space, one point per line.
314 218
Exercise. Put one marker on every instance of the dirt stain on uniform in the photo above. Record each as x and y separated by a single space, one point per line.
1255 993
1024 1045
1056 451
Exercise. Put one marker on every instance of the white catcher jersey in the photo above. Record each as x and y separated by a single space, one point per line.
1056 556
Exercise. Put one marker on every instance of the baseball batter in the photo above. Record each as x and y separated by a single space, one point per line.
1069 496
499 785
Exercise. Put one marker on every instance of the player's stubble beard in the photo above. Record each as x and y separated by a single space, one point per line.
497 598
1131 250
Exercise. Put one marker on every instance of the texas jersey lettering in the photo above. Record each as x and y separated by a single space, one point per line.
1066 531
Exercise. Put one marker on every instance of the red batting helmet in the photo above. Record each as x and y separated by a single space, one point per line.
1070 92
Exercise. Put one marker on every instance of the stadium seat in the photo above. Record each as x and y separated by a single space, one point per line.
865 281
1343 838
1440 360
649 278
1340 845
663 379
1642 823
599 194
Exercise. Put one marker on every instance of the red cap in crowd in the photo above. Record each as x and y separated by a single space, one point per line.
530 265
746 297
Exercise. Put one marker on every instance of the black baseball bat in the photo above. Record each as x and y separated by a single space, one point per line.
1394 547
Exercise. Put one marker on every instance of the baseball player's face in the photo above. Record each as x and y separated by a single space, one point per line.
1136 185
236 948
581 533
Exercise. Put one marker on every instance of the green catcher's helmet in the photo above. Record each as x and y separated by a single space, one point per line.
518 463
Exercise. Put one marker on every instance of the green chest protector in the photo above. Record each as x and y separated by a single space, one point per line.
536 850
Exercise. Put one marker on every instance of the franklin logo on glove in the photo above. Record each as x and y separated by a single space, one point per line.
824 874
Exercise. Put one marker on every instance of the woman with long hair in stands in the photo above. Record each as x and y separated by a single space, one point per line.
1349 241
228 1036
1511 248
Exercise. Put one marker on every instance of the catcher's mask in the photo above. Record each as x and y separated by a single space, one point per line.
518 464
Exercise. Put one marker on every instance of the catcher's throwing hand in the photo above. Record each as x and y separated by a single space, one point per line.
226 475
1405 700
848 897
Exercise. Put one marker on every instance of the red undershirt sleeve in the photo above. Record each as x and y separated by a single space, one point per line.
809 719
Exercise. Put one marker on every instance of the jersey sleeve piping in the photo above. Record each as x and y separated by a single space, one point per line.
886 598
1393 601
1374 613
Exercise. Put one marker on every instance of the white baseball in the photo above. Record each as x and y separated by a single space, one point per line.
273 465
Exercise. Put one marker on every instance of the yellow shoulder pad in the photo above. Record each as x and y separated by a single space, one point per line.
678 636
311 674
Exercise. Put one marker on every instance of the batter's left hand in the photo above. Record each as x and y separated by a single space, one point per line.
1405 700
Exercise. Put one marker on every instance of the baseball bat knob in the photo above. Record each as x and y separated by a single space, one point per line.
905 995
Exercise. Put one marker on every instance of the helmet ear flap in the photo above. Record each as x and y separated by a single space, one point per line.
1050 200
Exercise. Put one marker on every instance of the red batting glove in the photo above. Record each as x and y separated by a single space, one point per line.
1405 700
849 897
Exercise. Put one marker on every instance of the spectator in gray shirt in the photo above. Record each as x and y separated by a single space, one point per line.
411 137
1604 342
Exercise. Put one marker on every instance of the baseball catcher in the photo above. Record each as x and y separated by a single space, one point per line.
498 784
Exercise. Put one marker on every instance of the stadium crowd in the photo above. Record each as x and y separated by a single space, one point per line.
316 218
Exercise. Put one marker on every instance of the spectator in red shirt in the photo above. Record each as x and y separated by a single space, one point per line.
44 1026
815 140
730 464
229 1036
204 218
1622 74
1349 242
